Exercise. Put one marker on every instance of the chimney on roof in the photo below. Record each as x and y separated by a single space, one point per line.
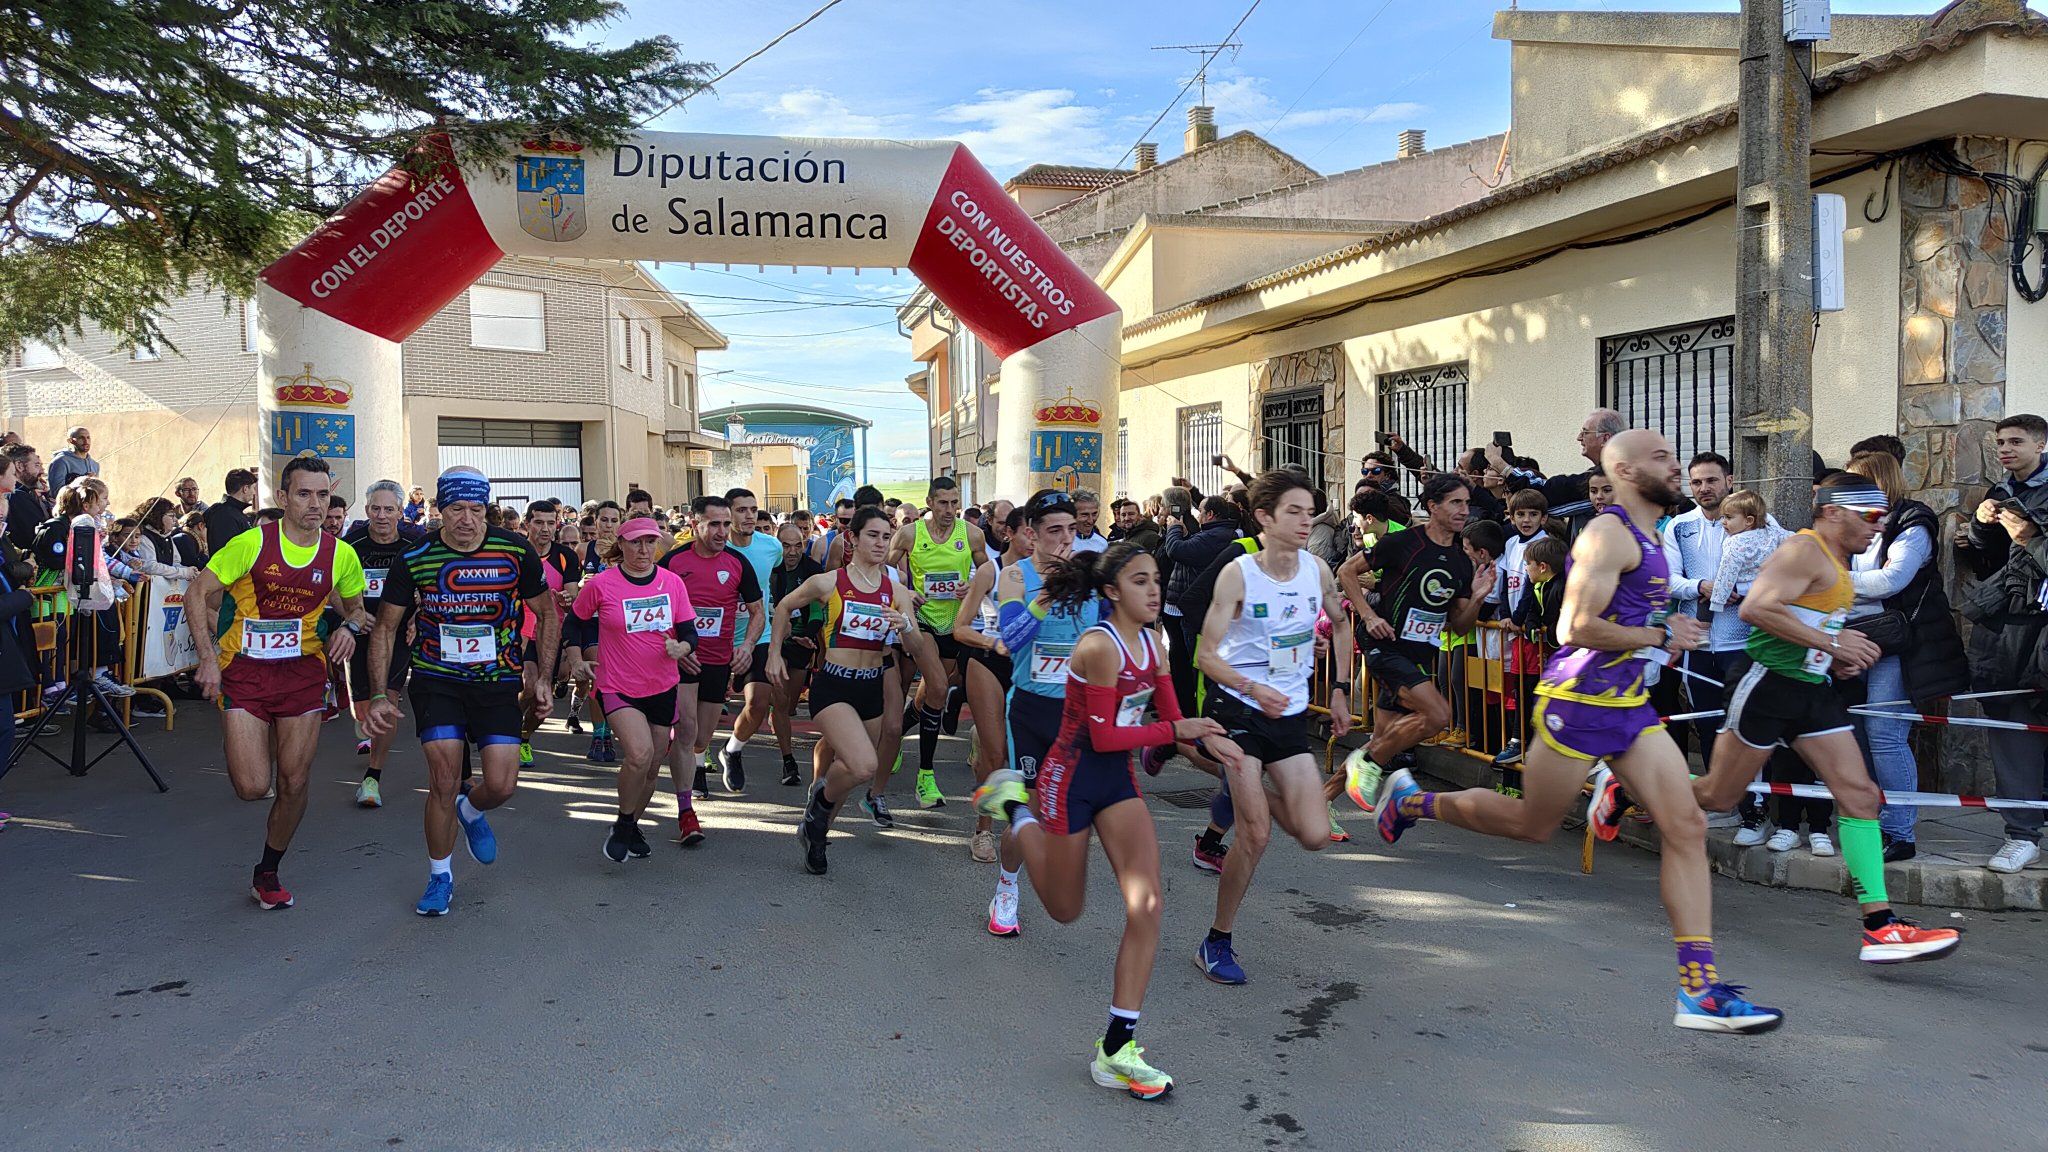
1409 143
1148 155
1201 126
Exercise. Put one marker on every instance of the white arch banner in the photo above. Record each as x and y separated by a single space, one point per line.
334 309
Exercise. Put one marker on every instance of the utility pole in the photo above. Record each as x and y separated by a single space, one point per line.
1774 268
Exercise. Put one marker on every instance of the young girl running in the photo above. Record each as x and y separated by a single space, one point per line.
1086 780
863 605
644 624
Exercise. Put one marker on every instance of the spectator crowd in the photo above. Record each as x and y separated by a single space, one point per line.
1516 531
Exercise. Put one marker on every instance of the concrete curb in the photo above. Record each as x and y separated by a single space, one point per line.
1913 882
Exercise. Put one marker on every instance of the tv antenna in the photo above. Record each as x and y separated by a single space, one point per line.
1208 53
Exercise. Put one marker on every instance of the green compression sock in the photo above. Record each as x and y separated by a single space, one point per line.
1863 852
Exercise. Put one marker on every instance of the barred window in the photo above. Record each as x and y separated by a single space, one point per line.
1680 381
1425 407
1291 429
1201 440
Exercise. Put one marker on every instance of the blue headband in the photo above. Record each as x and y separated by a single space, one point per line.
457 487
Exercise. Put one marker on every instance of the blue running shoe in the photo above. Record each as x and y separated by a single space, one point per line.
1721 1008
440 890
483 843
1218 963
1399 786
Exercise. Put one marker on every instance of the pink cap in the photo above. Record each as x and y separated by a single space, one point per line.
639 528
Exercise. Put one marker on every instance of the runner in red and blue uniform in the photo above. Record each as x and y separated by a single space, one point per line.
642 613
1087 780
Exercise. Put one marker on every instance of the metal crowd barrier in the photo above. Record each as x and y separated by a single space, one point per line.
53 623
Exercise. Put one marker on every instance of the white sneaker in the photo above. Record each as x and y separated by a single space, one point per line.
1751 835
1002 912
1820 844
2016 854
1783 840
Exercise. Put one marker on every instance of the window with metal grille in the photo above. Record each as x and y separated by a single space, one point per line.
1680 381
1291 426
1201 438
1123 457
1425 407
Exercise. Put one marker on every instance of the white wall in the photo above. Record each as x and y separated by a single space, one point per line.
1532 340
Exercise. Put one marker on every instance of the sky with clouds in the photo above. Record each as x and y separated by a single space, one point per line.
1058 81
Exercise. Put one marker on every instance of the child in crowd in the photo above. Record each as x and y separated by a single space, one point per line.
1528 511
1534 629
1537 617
1484 541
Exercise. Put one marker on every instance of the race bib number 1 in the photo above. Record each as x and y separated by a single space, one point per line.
1290 653
469 644
1049 662
272 639
647 614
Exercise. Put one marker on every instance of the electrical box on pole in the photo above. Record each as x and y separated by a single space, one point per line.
1806 20
1830 280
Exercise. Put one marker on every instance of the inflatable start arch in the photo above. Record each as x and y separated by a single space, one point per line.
333 310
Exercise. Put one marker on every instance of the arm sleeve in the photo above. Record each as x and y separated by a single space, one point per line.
1019 622
1104 735
1909 554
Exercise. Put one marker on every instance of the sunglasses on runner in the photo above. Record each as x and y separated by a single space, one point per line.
1869 515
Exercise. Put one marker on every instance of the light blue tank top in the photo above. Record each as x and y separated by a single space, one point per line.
1040 667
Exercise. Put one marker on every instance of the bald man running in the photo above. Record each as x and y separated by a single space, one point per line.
1593 706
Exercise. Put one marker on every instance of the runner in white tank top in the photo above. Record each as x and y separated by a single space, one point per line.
1264 612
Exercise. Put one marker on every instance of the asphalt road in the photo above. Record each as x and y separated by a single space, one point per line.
1450 994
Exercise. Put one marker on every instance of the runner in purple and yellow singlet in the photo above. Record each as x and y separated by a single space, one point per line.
1593 706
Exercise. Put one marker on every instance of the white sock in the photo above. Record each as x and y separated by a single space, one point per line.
466 810
735 745
1005 878
1022 816
1122 1013
440 867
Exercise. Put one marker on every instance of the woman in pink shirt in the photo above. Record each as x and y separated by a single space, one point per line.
644 624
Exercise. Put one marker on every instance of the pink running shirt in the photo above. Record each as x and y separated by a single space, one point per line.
635 620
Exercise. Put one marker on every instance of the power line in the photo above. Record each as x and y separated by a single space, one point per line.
786 34
1326 68
1199 72
1403 86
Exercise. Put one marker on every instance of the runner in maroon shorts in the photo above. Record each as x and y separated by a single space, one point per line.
268 666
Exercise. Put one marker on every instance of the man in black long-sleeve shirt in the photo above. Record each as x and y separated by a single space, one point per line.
229 516
1566 494
26 509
